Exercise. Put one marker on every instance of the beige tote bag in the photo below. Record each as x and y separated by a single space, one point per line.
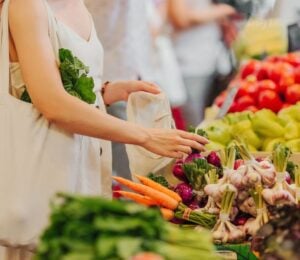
150 111
36 158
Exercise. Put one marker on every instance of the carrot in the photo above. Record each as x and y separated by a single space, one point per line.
167 213
161 198
138 198
150 183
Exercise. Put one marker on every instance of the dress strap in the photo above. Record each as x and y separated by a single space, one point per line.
4 52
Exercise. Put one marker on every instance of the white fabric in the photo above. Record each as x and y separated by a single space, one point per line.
37 159
150 111
124 31
167 71
199 49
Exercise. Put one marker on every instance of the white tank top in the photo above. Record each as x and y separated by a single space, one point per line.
92 170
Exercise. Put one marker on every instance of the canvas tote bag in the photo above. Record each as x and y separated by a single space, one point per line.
150 111
36 158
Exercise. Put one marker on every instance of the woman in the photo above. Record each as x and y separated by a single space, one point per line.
33 65
200 50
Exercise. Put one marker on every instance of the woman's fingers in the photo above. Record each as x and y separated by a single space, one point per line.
194 137
149 87
185 149
194 144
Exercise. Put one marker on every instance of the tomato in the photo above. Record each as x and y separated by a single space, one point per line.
247 88
234 107
252 109
292 94
287 79
220 99
274 58
297 75
264 70
293 59
249 68
269 99
245 101
282 74
286 105
267 84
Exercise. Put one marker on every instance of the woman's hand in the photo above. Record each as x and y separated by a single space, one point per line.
173 143
120 90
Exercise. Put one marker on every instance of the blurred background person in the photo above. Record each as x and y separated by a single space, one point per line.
167 71
124 30
200 30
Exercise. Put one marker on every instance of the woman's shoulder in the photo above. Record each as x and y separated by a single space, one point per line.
27 11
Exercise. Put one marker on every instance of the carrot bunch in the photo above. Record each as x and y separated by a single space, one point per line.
151 193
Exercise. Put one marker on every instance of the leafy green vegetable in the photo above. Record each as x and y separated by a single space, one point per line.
280 157
291 168
93 228
200 132
74 75
159 179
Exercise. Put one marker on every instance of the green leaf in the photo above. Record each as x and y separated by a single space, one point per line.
84 87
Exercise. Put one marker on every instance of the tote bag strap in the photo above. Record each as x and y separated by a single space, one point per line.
4 52
4 45
53 29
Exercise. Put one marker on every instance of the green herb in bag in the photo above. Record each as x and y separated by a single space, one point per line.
74 75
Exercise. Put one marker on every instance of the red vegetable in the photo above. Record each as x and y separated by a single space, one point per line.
267 84
249 68
297 75
185 191
214 159
269 99
282 74
245 101
247 88
264 70
234 107
178 172
252 109
293 59
193 156
292 94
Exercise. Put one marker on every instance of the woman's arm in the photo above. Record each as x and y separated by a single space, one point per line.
183 16
29 29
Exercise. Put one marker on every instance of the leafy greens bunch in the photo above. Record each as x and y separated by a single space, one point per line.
74 75
94 228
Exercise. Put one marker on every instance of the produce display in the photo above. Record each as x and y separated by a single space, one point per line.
151 193
280 237
234 187
273 83
260 130
87 228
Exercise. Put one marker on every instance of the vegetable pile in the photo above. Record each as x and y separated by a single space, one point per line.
280 237
260 130
237 188
273 83
74 75
94 228
151 193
